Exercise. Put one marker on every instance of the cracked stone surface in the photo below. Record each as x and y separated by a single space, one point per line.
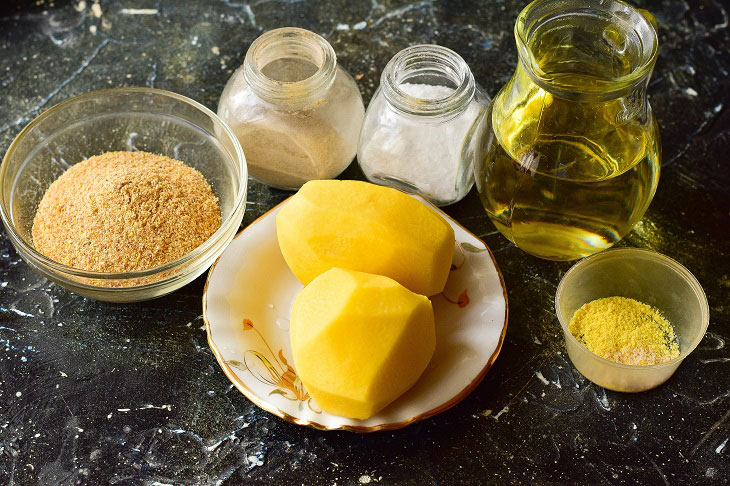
93 393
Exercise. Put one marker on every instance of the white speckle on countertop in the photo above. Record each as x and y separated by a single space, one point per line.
139 11
722 445
501 412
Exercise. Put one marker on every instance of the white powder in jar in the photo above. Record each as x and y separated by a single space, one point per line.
426 91
421 152
286 151
294 140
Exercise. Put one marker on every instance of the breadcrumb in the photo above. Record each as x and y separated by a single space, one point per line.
125 211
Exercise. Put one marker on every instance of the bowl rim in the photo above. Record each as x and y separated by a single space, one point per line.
201 249
659 258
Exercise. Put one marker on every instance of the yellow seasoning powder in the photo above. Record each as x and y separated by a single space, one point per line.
625 330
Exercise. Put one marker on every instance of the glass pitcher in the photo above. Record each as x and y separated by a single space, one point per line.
573 151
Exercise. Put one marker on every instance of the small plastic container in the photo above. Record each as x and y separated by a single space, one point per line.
648 277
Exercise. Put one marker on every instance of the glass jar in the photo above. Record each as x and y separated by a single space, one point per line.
422 128
296 112
573 150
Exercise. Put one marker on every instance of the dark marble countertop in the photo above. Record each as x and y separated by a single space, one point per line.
93 393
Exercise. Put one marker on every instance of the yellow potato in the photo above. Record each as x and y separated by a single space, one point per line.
359 341
365 227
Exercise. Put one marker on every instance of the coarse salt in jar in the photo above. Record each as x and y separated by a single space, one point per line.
296 112
422 129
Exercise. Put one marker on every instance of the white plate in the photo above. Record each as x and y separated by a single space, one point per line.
246 304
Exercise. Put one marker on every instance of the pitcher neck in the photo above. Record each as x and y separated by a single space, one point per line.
585 50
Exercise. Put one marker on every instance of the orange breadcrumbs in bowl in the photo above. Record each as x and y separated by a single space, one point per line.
125 211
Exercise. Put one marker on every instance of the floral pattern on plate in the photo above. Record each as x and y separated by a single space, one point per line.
281 377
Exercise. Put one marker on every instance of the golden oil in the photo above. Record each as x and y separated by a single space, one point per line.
570 169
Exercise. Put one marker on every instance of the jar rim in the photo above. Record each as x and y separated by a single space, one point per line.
434 60
540 12
293 42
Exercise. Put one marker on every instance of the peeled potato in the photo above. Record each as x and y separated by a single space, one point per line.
359 341
365 227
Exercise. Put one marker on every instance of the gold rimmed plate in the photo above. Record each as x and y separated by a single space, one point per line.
246 305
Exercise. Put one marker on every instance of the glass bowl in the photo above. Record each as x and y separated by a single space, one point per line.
648 277
122 119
